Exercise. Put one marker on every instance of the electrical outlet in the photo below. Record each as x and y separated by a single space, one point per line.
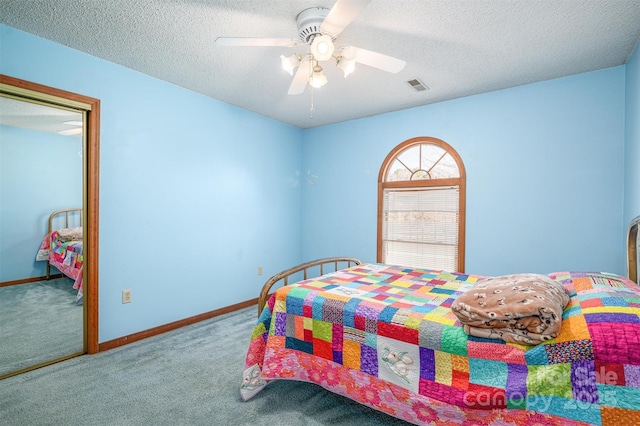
259 270
126 296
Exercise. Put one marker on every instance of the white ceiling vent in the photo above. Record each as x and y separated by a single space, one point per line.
418 85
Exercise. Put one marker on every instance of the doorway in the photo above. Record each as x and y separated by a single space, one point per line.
82 115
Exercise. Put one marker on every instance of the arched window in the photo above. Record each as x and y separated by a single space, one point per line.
421 206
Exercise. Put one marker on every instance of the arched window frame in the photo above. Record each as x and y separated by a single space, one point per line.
459 181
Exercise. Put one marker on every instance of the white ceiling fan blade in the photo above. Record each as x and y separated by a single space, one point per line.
300 79
374 59
341 15
255 41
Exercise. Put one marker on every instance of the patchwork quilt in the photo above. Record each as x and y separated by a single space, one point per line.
385 336
66 255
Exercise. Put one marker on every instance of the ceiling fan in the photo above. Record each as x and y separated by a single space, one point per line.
318 28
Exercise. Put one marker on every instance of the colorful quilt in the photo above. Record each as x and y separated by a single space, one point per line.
386 337
65 255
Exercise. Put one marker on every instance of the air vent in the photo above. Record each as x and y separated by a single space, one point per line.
417 85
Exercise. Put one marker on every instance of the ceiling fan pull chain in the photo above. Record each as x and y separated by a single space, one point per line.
311 87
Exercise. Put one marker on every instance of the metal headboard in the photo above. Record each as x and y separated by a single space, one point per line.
632 249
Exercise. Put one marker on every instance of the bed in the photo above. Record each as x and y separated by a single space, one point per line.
387 337
62 247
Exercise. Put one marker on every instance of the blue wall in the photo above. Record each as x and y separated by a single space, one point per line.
195 194
632 138
39 172
544 167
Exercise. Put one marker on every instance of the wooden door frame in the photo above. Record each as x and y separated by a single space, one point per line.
91 159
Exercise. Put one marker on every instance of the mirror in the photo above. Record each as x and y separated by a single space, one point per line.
41 172
48 162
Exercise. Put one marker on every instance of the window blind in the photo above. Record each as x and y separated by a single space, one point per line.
420 227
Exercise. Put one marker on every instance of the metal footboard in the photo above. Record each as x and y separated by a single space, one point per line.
304 267
66 213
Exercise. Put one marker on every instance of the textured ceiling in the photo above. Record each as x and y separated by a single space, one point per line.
34 116
456 47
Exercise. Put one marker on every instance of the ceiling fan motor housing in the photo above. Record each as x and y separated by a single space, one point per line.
309 22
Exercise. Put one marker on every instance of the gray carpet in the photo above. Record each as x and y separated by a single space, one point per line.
189 376
38 322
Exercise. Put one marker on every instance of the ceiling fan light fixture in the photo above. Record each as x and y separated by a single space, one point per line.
346 65
322 47
289 63
318 28
318 79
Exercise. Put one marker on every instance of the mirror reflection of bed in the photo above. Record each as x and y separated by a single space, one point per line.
41 315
